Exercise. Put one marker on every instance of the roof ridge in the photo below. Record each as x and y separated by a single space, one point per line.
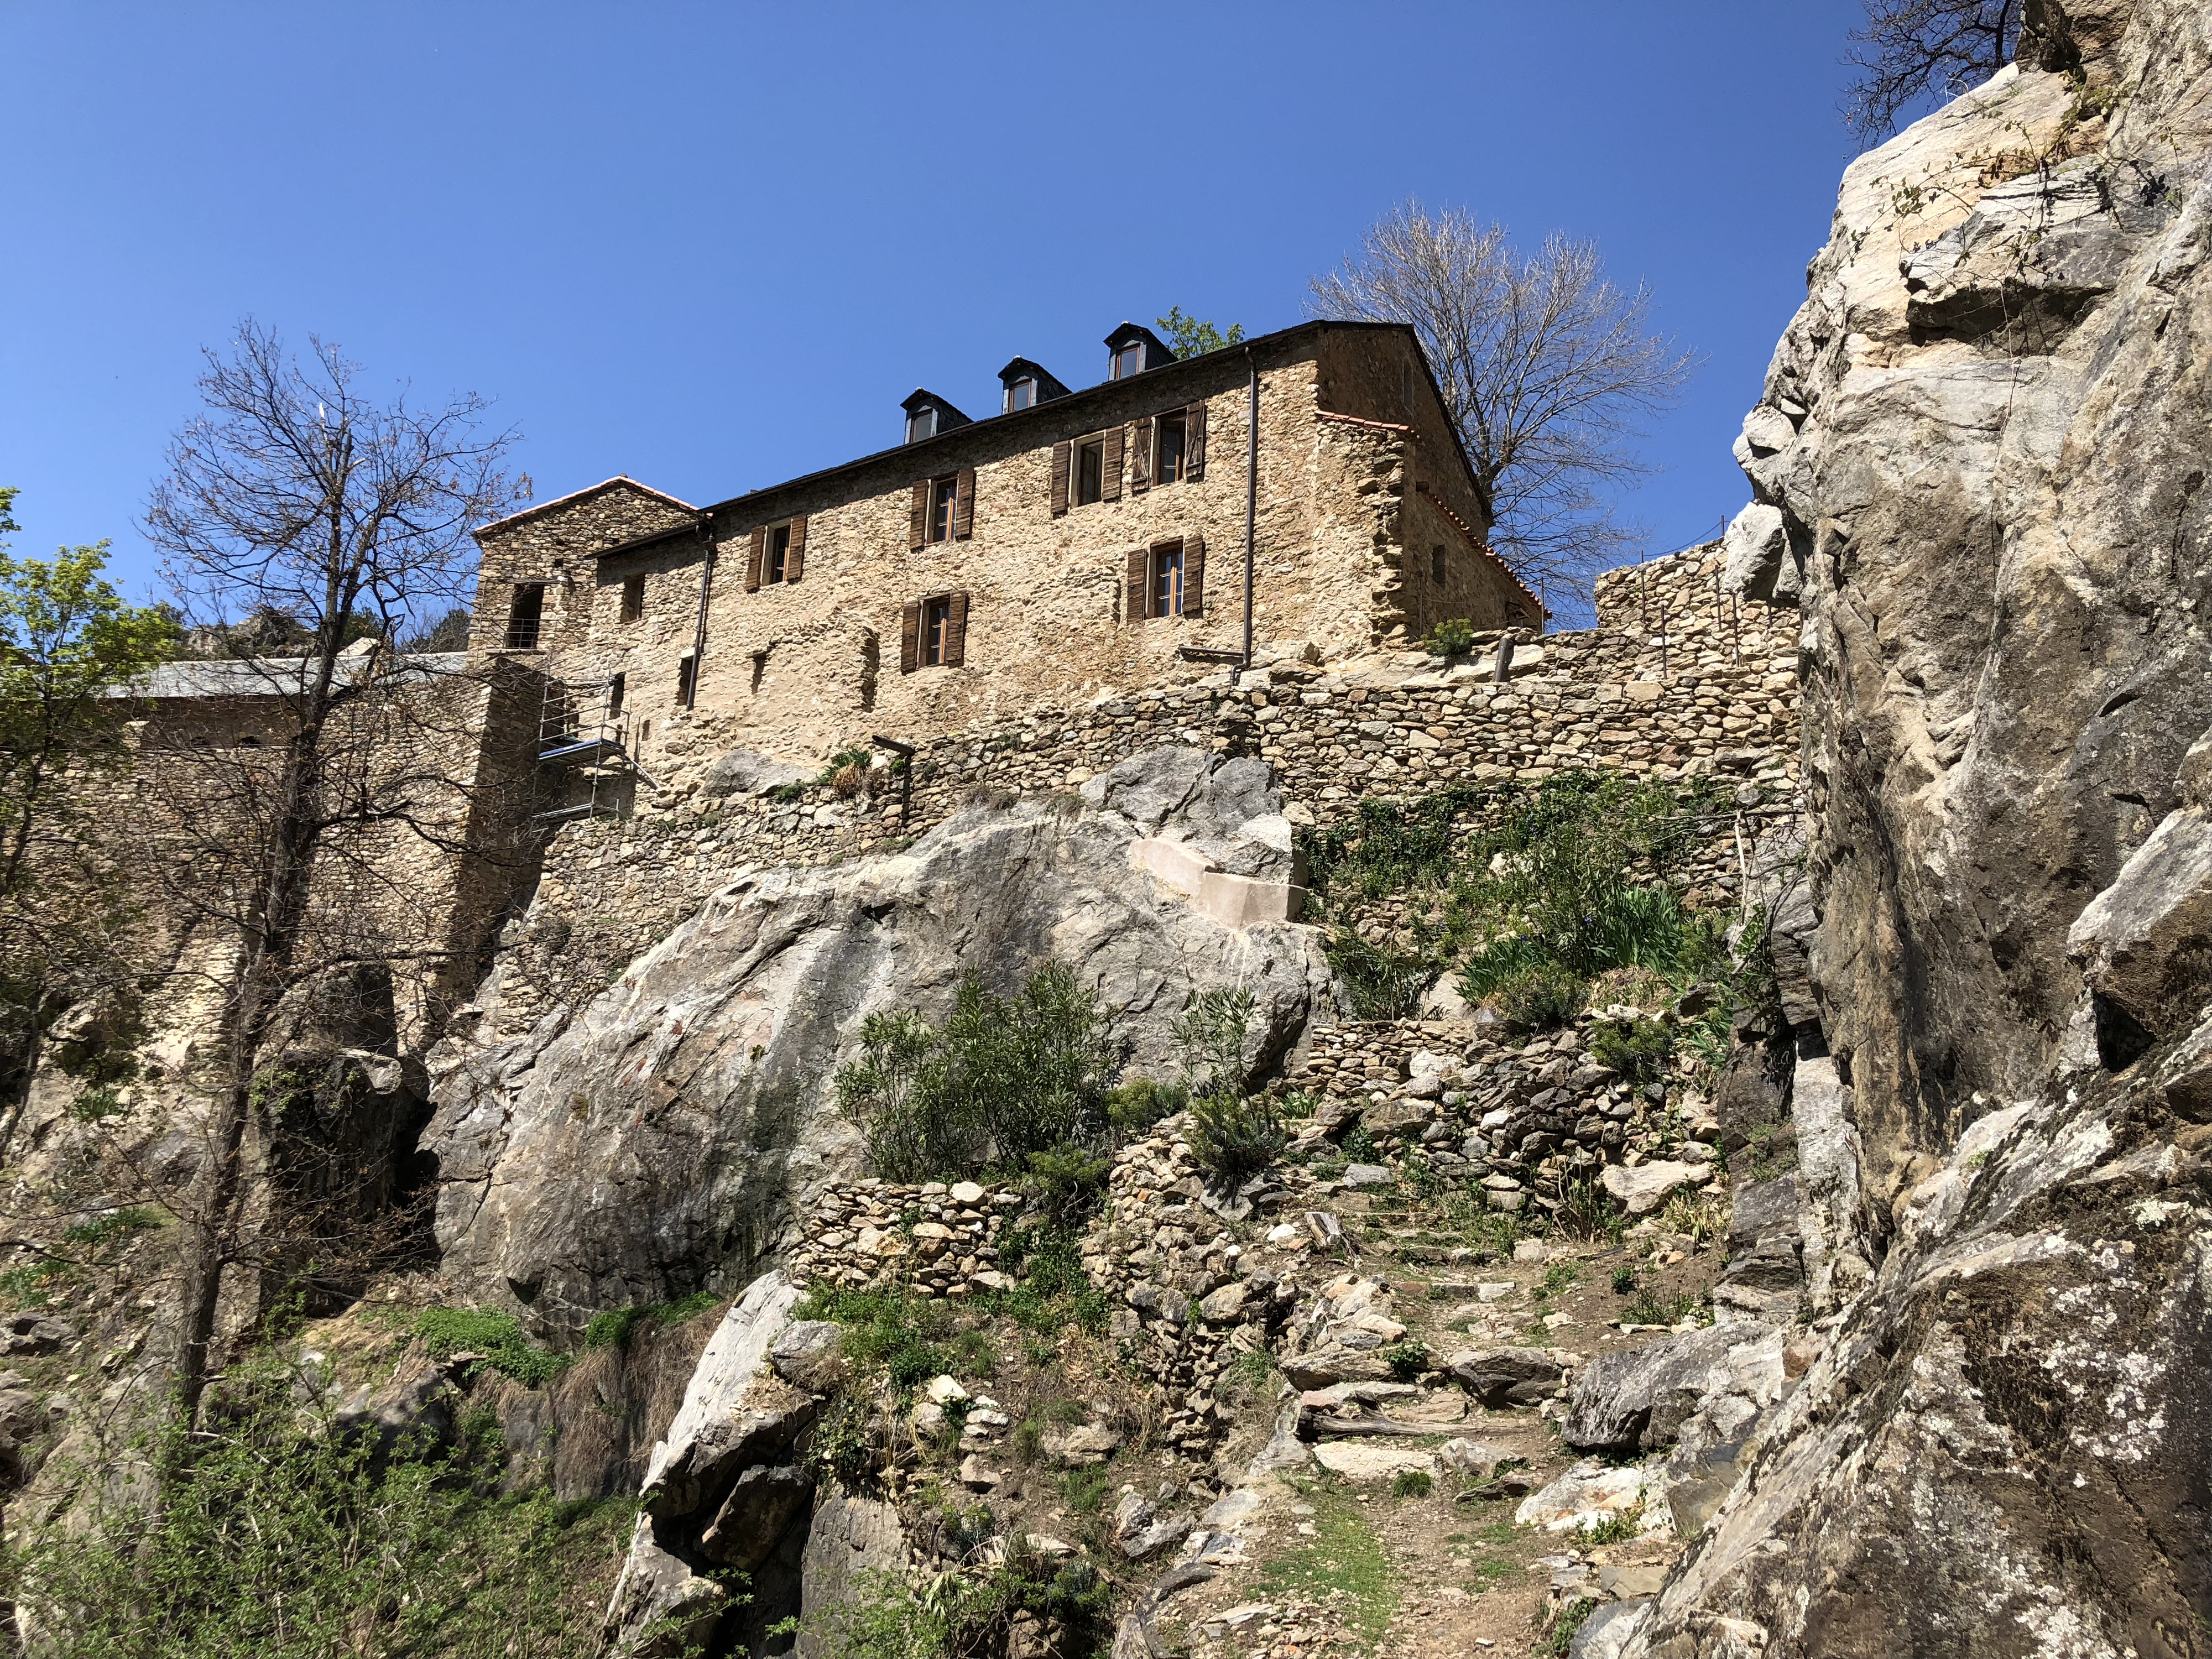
578 495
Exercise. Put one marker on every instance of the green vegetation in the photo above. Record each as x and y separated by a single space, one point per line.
280 1538
1407 1358
1452 639
1536 891
908 1338
1233 1139
1191 336
1138 1104
1345 1555
94 1244
1619 1527
1052 1291
951 1615
1005 1078
1557 1640
1412 1483
1234 1136
615 1328
1639 1048
1649 1308
496 1338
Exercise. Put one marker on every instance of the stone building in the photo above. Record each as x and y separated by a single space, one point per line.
1074 544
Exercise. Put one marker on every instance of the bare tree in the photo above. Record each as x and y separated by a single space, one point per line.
297 492
1911 52
1547 370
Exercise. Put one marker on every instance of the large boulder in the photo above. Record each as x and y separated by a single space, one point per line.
1506 1377
647 1145
1635 1399
1990 427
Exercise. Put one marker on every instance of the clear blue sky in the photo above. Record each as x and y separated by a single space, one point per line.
713 246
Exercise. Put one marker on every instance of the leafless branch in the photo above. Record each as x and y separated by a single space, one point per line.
1911 53
1547 369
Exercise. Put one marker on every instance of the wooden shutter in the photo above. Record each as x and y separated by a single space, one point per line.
1193 443
910 639
917 518
795 556
1140 592
1194 573
755 550
1140 456
1060 454
1112 491
956 631
963 505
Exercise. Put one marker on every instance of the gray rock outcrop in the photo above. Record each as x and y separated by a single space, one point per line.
646 1144
1987 436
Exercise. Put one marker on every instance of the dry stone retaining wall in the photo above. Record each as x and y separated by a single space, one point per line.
1680 680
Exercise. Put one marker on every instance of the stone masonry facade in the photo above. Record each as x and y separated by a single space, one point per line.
962 578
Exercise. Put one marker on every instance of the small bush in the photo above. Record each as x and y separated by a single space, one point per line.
1455 638
843 1444
1407 1359
1065 1182
907 1338
1233 1139
1382 984
1624 1280
1636 1048
1411 1483
1140 1103
1004 1078
497 1337
1539 998
1210 1034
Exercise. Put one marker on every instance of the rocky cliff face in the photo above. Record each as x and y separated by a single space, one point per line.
650 1143
1980 460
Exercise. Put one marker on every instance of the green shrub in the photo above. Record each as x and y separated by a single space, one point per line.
1053 1293
1233 1139
843 1444
1407 1359
497 1337
1138 1104
1382 983
1066 1182
1005 1077
951 1616
616 1326
281 1537
1636 1048
1452 639
1411 1483
1539 998
1210 1034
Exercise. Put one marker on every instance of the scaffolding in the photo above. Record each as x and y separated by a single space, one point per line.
583 734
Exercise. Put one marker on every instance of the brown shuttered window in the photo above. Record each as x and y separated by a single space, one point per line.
1061 453
1140 456
917 527
1134 607
794 561
1113 479
1193 572
755 550
1193 443
956 630
963 506
910 639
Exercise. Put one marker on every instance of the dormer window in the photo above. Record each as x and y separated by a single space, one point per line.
1132 349
928 415
1027 385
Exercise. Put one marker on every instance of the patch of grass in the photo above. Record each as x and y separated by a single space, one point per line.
1649 1308
1559 1278
1083 1491
1558 1639
617 1326
1250 1372
1053 1293
1344 1555
1639 1049
1382 983
497 1337
1412 1483
1624 1280
1619 1529
907 1338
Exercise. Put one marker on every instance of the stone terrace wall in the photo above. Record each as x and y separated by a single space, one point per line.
1677 681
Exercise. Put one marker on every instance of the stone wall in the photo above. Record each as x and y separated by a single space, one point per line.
1678 681
1350 508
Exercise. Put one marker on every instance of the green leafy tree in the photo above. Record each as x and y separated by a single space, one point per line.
68 642
1190 336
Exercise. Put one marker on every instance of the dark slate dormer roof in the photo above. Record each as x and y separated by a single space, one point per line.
1048 386
947 416
1157 355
